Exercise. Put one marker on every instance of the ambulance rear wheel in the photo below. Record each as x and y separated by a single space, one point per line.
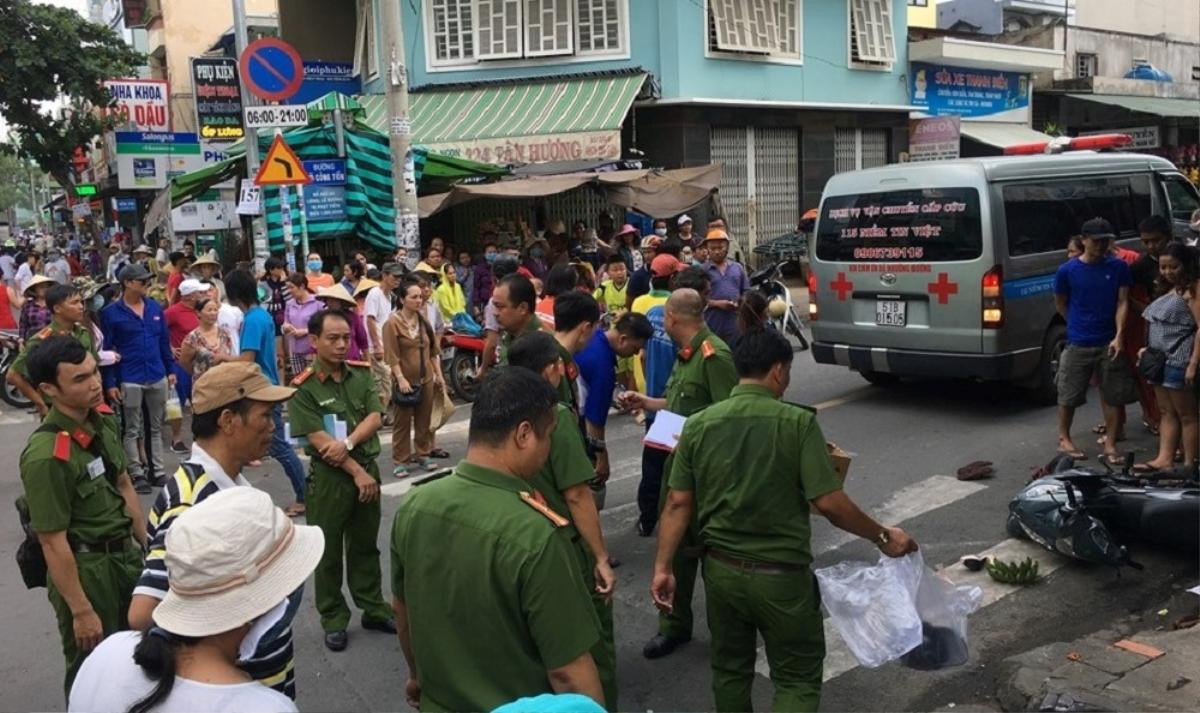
880 378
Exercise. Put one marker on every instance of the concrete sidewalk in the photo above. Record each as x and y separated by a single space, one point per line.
1141 664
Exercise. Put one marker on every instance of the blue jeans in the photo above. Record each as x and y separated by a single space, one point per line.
282 451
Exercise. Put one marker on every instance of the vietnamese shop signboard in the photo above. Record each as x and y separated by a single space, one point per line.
325 197
141 104
971 93
321 77
584 145
933 139
218 98
148 159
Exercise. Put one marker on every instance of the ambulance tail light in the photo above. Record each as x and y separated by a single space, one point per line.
993 298
813 311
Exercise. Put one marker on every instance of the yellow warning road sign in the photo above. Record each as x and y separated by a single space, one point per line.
281 166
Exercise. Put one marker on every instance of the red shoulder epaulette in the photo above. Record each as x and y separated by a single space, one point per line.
302 376
354 362
62 446
572 371
105 409
531 501
45 333
707 349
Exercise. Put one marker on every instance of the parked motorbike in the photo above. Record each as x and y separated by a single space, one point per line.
780 310
1091 514
10 347
462 355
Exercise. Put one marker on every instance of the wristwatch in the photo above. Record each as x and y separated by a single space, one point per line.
882 538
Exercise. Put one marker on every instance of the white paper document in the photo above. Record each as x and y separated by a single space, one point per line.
664 432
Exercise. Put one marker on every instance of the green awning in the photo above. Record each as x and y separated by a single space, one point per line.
186 187
461 121
1160 106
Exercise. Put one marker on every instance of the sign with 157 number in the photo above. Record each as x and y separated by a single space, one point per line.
265 117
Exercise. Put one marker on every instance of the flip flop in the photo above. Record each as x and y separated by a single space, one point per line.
1100 429
1116 460
976 471
1077 455
1146 468
1150 427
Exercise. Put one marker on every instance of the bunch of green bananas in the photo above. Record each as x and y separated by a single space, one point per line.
1024 572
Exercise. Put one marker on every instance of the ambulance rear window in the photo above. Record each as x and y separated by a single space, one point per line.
921 225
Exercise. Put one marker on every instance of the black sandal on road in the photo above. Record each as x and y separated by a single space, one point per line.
439 453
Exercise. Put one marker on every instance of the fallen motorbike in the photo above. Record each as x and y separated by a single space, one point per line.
782 313
1091 514
10 347
462 355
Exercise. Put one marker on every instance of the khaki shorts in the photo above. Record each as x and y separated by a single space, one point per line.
1076 367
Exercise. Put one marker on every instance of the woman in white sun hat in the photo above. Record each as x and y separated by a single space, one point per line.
233 559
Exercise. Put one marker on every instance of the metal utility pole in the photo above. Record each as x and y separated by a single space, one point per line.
404 179
259 228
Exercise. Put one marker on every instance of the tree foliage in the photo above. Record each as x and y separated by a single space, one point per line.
49 54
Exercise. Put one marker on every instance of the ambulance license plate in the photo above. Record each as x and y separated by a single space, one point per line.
890 313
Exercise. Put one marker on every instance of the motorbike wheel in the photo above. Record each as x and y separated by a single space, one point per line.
794 327
11 394
463 368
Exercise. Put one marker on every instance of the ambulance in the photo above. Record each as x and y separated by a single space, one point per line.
946 269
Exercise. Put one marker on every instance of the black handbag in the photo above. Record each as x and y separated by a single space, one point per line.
412 398
1153 362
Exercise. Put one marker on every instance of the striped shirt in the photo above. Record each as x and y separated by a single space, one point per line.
273 663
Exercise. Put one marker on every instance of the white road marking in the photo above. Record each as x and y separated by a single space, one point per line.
848 398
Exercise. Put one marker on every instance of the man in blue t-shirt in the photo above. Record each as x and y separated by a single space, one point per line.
257 341
598 377
1091 292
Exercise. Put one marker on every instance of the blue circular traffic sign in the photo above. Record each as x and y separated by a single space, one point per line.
271 69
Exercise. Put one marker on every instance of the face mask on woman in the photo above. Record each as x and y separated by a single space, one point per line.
537 252
490 257
314 265
660 232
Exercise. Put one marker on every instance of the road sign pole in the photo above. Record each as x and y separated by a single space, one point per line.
404 181
258 223
303 221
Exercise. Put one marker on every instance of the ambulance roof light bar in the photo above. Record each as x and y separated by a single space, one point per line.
1059 144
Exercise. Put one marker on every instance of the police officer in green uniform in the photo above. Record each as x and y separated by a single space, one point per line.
343 483
576 315
703 375
485 582
81 500
746 471
563 483
66 312
515 302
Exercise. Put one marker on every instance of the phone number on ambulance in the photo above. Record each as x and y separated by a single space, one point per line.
913 253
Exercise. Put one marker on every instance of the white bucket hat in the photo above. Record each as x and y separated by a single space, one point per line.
231 559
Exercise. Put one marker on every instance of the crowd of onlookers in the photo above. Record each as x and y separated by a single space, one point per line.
1131 321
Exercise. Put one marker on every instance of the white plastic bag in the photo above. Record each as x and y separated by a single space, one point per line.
174 410
897 607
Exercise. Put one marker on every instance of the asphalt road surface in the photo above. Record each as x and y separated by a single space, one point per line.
908 441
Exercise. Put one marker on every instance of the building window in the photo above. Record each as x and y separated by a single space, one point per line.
453 33
872 42
466 32
855 149
1196 74
1085 65
366 62
918 3
754 29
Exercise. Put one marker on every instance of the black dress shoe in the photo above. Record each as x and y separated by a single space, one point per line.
335 640
142 486
661 645
644 530
387 626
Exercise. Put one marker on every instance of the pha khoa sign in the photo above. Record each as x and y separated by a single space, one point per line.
140 104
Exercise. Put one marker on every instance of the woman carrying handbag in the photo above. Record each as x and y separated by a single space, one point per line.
412 353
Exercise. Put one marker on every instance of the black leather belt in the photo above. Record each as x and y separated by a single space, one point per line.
118 545
752 566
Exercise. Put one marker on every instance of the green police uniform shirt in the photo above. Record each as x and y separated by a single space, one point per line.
754 463
568 464
507 339
510 606
83 335
568 389
703 374
320 394
70 478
